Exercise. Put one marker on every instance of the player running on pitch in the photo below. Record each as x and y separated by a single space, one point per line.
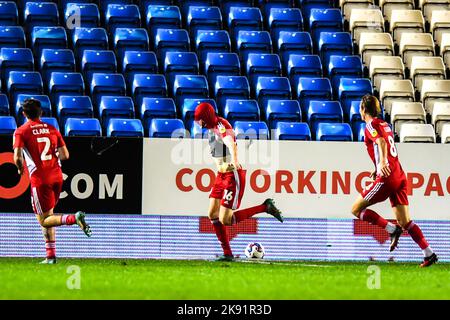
228 189
389 182
42 147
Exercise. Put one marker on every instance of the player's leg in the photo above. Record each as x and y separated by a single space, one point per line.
233 194
377 192
219 228
402 214
44 199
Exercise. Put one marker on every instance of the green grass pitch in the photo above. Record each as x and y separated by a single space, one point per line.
24 278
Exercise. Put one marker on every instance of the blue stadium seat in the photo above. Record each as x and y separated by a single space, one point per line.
115 107
284 19
106 84
4 105
185 4
74 107
157 108
8 13
167 128
89 39
84 15
82 127
360 128
262 64
272 88
230 87
161 16
135 39
118 127
203 18
12 37
323 111
334 132
45 105
241 110
282 110
51 121
40 14
180 63
148 85
100 61
211 41
303 66
253 42
292 131
244 18
189 86
225 5
267 5
135 62
225 64
309 89
188 109
103 4
17 59
56 60
7 125
24 82
344 67
334 43
122 16
62 4
65 84
325 20
48 38
197 132
307 5
352 89
170 40
251 130
288 42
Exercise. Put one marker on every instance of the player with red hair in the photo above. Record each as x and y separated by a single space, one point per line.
228 189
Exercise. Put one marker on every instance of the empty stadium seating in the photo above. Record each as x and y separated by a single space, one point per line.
285 65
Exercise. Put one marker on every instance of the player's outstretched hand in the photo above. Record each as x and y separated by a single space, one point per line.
237 165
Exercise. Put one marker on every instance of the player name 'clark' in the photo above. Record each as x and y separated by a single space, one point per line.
41 131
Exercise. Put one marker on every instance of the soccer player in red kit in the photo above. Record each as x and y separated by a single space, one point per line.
228 189
40 147
389 182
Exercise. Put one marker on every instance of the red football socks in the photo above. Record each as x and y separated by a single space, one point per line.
50 248
417 235
221 233
248 213
373 218
68 219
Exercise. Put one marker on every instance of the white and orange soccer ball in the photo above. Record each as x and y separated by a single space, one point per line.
255 250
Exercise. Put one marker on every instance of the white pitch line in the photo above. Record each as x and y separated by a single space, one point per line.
285 264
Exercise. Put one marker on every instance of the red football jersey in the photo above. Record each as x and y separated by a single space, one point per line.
40 142
224 129
378 128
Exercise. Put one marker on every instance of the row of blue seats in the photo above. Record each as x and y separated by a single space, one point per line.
174 128
184 87
195 13
234 110
168 38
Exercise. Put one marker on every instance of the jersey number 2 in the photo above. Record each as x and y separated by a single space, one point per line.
392 147
44 155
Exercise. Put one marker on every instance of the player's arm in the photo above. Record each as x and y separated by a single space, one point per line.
18 159
232 147
384 163
63 153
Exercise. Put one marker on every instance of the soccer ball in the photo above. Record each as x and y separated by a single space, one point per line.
254 250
